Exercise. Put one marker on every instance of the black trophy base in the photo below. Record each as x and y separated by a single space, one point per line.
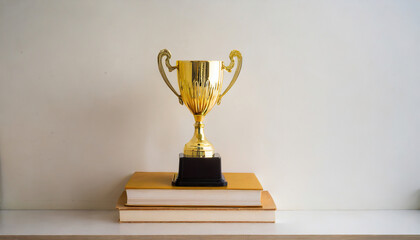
196 172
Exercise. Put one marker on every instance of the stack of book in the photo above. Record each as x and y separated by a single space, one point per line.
150 197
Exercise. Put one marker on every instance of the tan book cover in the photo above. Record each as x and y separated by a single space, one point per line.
163 180
266 201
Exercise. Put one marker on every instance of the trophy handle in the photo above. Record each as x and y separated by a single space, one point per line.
167 54
238 55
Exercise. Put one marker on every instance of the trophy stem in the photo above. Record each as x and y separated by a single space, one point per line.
199 128
199 131
198 146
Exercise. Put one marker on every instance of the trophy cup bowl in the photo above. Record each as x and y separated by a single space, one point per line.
200 83
200 87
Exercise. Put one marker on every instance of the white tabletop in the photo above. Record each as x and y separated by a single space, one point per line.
94 222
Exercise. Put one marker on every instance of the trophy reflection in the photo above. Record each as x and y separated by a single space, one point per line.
200 87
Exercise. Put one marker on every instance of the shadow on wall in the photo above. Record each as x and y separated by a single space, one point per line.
1 185
91 140
109 140
417 196
116 191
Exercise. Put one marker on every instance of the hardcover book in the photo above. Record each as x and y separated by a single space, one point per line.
155 189
263 214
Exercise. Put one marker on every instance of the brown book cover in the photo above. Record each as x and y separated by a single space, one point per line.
163 180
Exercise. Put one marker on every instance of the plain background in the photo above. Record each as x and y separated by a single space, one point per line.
325 110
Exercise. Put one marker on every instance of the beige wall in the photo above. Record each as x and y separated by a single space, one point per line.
325 110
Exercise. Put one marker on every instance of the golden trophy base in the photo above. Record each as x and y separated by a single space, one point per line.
199 171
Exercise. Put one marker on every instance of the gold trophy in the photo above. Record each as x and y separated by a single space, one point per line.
200 87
